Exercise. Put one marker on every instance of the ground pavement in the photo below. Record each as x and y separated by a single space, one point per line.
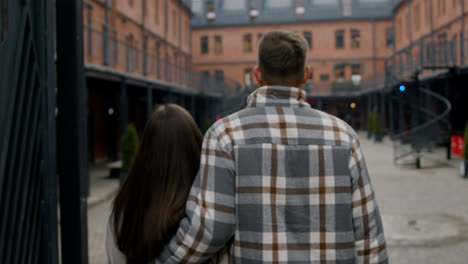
425 212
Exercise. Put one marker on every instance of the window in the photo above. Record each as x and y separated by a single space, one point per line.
218 45
427 12
248 77
339 73
219 78
259 36
210 12
355 39
324 77
233 5
204 45
277 3
197 6
356 73
308 37
158 59
156 11
347 8
205 78
442 37
339 36
389 37
417 16
441 7
248 43
174 23
400 29
300 8
326 2
130 3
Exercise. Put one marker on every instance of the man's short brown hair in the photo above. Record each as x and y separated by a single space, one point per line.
282 58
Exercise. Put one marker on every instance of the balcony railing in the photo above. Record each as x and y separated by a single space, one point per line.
429 53
346 88
106 46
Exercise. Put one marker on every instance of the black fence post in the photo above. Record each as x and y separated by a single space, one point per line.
72 132
320 104
401 115
192 106
390 114
369 104
149 102
382 112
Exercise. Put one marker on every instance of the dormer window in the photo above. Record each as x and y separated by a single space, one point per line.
254 13
347 8
210 12
300 8
253 10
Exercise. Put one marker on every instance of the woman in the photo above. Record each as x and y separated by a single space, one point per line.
151 201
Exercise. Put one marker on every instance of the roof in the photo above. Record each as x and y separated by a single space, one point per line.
236 12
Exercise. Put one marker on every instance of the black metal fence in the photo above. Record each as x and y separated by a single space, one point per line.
28 188
423 126
430 52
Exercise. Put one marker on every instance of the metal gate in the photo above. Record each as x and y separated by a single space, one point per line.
28 186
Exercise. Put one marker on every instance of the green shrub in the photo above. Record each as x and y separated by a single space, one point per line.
129 147
465 149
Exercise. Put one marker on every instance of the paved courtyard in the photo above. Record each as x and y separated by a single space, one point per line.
425 212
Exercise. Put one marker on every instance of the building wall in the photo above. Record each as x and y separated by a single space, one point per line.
142 25
161 28
443 15
322 56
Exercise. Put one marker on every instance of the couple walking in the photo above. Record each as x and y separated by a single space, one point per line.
278 182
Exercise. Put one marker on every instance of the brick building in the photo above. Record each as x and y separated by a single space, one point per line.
359 49
349 41
431 40
137 55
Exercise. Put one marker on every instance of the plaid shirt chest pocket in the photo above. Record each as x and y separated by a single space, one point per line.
293 198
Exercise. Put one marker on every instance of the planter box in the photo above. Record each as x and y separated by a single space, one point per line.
464 169
123 175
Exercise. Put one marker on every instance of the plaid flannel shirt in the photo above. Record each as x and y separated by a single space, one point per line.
286 183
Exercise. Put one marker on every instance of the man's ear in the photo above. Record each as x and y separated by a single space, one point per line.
307 74
258 75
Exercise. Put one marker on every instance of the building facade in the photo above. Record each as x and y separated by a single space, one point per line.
431 40
349 42
137 55
140 53
345 43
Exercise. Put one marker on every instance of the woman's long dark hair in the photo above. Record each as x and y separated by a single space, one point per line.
151 201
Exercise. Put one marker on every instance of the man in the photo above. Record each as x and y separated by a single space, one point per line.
279 181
